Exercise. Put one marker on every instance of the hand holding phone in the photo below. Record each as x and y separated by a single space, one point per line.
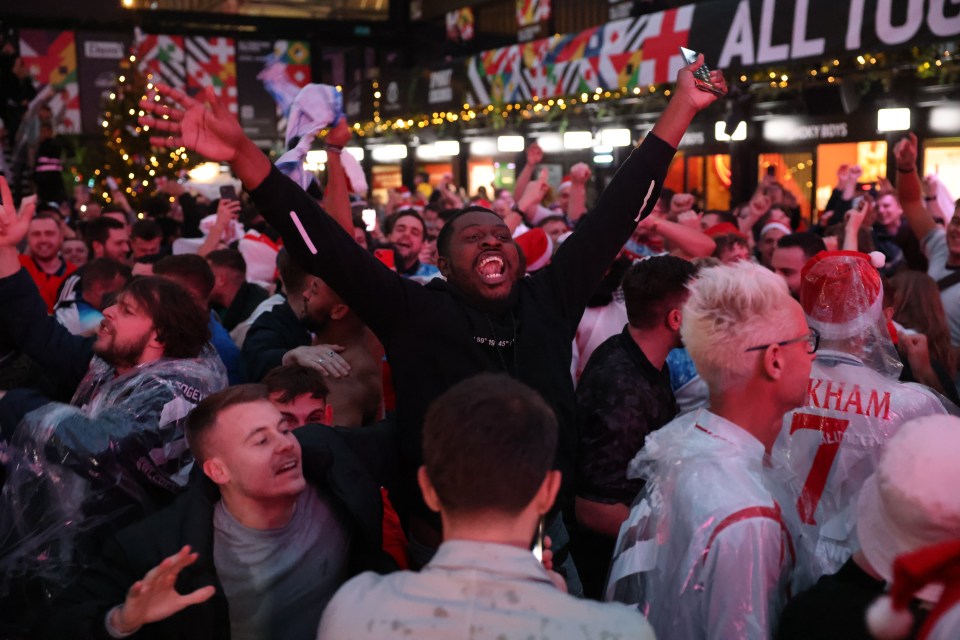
228 192
701 74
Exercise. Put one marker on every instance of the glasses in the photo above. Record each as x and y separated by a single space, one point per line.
812 339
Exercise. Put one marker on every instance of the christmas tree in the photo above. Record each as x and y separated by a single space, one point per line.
126 163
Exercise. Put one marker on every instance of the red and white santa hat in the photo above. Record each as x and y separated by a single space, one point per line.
889 618
841 293
537 248
565 183
908 513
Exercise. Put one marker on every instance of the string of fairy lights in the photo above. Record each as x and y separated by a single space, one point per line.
133 163
641 98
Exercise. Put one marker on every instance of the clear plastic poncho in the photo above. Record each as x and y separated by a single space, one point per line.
76 471
706 551
854 405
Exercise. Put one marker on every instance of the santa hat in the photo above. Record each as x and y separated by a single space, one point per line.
911 503
537 248
565 183
841 293
482 202
723 229
404 191
889 618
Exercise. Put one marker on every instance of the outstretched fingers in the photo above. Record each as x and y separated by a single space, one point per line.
176 95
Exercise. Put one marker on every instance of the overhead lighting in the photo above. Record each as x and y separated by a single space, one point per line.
509 144
550 142
603 158
577 140
615 137
206 172
740 133
356 152
893 119
447 147
389 152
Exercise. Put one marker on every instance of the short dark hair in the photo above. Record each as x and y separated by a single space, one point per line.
47 214
488 442
728 241
146 230
228 259
202 418
294 380
98 230
180 322
190 270
810 243
722 216
294 278
391 220
555 218
103 270
654 286
443 238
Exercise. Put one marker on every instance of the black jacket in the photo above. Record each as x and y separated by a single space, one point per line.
434 337
244 304
271 335
330 460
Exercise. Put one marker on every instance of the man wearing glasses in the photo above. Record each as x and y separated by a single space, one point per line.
707 551
854 405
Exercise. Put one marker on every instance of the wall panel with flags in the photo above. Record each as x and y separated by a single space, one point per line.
211 62
51 58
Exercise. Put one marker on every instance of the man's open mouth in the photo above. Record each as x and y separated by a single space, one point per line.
287 466
491 268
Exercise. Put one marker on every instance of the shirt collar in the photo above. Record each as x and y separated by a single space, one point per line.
488 557
745 442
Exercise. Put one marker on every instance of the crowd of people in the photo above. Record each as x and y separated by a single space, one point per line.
499 415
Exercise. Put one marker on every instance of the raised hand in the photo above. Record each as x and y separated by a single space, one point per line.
534 154
13 225
154 597
906 153
681 202
579 173
535 192
340 134
688 92
205 125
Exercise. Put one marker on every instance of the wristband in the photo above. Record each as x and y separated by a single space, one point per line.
907 170
332 148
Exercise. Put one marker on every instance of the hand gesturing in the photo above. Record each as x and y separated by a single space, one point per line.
205 126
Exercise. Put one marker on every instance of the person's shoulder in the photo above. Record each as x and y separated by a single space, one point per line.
360 594
614 618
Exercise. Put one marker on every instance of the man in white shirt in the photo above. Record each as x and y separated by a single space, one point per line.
706 551
488 446
854 405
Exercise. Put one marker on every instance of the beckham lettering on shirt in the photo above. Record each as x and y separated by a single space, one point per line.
826 394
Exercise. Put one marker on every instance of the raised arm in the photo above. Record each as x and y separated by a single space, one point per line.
23 313
534 158
336 200
909 189
577 204
316 242
584 257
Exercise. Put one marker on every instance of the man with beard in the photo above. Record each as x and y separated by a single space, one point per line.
44 263
341 348
486 316
117 450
